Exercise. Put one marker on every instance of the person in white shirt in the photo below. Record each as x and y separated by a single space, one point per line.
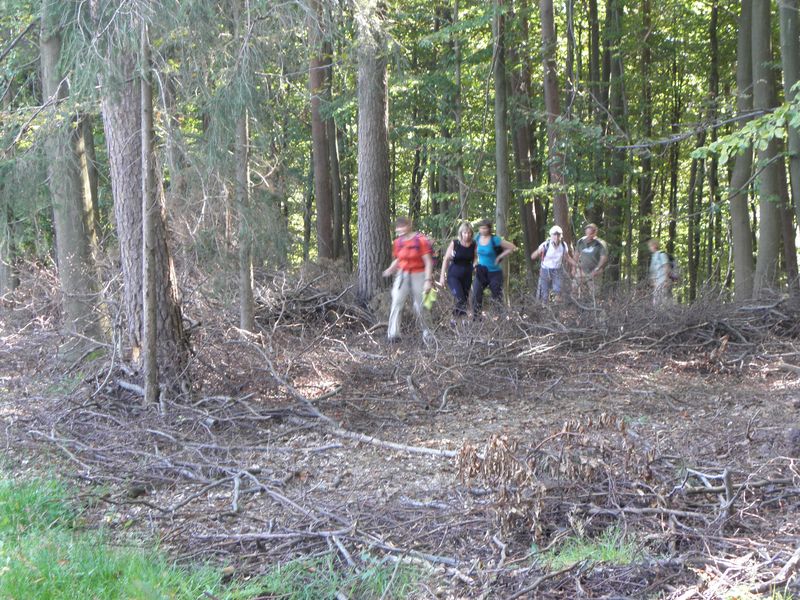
553 253
660 274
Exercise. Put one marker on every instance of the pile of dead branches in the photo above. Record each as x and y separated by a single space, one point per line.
286 300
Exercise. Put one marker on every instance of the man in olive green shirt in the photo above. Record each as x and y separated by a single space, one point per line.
591 255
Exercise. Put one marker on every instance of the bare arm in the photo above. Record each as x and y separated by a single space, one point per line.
508 248
391 269
600 265
448 257
428 262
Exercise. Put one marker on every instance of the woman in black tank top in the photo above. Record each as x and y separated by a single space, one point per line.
459 261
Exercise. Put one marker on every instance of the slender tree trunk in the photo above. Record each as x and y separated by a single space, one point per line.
308 208
674 158
503 183
72 204
769 160
790 59
463 208
319 69
741 232
692 259
551 101
336 189
712 164
646 178
149 216
521 142
122 119
616 179
242 151
90 175
374 243
347 192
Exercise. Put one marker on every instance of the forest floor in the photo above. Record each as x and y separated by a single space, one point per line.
617 452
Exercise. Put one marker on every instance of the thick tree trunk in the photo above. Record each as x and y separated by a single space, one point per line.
319 68
769 237
741 233
73 215
790 59
374 243
242 152
121 107
551 101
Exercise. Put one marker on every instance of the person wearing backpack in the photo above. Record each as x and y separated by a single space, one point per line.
491 250
591 257
413 270
660 273
459 261
553 253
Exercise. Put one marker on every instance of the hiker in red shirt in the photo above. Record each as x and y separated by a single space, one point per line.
413 265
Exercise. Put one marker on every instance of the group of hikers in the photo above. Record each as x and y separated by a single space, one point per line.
471 264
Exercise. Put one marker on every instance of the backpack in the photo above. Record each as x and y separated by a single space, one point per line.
498 249
547 247
674 268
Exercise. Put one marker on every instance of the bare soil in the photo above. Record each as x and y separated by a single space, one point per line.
469 456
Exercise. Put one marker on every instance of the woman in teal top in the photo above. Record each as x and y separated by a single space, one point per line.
492 249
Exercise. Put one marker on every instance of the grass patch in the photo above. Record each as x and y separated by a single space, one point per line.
312 579
44 555
612 547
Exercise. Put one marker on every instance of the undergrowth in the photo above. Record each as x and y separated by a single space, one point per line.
46 555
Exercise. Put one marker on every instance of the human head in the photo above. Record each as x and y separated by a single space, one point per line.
402 225
556 233
653 244
485 227
465 232
591 231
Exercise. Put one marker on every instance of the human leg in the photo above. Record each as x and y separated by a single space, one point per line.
399 293
417 290
496 286
543 290
458 285
480 283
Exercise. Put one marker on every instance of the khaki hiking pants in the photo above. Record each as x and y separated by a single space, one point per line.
405 284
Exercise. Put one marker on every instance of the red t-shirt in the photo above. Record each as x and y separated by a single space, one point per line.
409 253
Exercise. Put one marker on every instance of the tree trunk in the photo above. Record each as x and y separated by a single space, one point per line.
242 152
319 68
551 101
503 183
463 207
769 160
712 163
741 233
121 107
73 215
90 175
149 217
308 207
521 143
646 178
616 179
790 59
374 243
336 189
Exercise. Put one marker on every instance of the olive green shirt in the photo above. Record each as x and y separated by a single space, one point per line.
590 253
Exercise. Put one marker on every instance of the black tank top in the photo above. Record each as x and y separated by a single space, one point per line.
463 255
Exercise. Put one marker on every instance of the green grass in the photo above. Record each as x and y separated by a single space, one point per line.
313 579
612 547
45 556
